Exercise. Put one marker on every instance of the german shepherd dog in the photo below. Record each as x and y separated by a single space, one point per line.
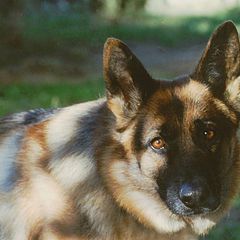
153 160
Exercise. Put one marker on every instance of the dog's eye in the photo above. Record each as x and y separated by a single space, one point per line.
209 134
158 143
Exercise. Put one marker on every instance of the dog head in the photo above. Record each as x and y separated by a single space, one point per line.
173 159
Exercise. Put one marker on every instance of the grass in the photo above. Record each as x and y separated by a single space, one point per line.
80 28
23 96
228 229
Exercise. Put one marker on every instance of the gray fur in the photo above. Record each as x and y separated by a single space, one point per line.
22 119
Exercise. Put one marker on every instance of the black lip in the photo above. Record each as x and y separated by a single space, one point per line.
182 210
195 212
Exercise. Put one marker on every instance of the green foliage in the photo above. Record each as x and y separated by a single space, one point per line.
24 96
79 27
228 231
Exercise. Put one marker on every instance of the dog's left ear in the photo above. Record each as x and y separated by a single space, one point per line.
127 82
220 63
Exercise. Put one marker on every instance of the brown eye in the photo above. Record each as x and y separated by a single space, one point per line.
158 143
209 134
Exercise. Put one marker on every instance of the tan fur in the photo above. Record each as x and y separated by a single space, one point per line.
43 198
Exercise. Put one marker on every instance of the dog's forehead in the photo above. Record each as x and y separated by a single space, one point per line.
186 102
176 99
197 99
199 102
193 92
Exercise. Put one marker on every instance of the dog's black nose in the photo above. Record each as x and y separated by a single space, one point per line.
193 195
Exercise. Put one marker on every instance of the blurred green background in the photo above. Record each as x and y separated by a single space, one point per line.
51 50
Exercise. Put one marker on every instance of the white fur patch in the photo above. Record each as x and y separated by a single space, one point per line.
194 91
202 225
45 197
72 170
8 149
41 199
47 234
63 125
233 93
12 226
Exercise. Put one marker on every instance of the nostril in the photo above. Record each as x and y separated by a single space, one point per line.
187 199
186 195
191 195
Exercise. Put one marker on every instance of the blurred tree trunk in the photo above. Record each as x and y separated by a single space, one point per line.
137 4
96 5
134 5
11 12
122 5
140 4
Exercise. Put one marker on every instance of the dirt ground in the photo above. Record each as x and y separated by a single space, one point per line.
161 63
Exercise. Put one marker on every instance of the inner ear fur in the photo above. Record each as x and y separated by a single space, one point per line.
127 82
219 64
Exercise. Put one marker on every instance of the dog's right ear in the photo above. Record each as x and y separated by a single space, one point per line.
219 67
127 82
220 62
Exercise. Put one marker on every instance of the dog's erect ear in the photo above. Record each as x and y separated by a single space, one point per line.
127 82
219 64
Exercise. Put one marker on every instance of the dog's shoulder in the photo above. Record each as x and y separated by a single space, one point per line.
27 118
